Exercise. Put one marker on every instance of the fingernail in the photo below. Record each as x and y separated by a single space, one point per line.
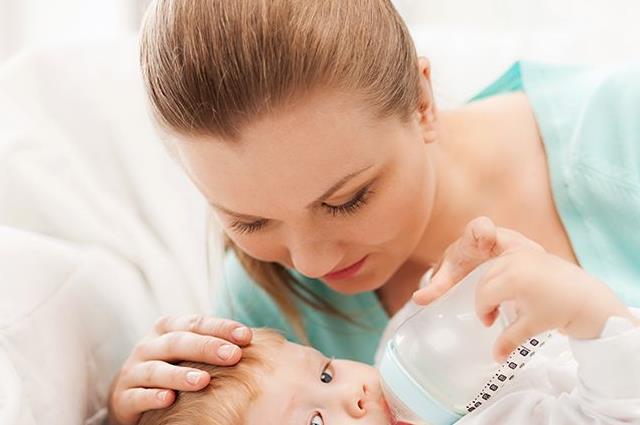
240 334
162 395
193 377
226 351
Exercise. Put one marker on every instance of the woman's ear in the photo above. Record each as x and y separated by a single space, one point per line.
426 112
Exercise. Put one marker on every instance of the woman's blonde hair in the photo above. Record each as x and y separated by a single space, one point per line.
211 67
231 390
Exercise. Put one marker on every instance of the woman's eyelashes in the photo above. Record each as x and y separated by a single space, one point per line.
350 207
242 228
359 200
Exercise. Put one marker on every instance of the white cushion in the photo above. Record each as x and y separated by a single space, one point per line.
68 317
102 231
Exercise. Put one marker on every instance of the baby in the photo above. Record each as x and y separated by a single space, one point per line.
278 382
588 373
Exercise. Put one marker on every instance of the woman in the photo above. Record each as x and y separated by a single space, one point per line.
311 129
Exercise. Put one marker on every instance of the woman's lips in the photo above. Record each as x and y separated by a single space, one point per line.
347 272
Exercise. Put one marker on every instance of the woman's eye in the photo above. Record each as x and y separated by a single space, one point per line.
316 420
244 228
358 201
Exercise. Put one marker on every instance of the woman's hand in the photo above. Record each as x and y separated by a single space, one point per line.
547 293
481 241
147 378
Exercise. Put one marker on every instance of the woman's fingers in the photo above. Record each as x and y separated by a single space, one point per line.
474 248
426 295
158 374
147 380
491 290
510 240
439 282
515 334
131 403
188 346
479 240
222 328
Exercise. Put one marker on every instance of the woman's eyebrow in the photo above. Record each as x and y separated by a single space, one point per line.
333 189
235 214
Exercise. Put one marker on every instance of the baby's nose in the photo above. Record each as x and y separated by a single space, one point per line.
356 402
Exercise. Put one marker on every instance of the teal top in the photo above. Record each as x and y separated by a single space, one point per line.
243 300
589 120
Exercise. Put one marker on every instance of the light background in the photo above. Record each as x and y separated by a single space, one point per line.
27 22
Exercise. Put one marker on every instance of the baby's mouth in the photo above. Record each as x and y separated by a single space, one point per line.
389 415
387 412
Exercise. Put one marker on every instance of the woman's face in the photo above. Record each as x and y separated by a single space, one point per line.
321 187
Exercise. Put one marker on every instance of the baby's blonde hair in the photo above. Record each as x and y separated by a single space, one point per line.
231 390
211 67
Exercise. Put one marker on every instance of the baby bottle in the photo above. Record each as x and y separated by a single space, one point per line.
439 366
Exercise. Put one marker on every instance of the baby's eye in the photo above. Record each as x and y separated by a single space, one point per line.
317 420
327 375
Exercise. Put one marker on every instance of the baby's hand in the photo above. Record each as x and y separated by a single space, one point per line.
548 293
481 241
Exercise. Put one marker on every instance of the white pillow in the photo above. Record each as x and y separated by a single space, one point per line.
68 317
108 233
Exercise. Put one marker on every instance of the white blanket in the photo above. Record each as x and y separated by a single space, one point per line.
102 232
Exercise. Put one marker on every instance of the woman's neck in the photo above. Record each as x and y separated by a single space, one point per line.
468 177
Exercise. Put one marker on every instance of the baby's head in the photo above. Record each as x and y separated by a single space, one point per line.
280 383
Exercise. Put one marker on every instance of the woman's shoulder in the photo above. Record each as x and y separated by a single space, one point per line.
574 86
588 114
589 121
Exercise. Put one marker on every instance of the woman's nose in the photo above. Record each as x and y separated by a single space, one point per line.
314 261
314 257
